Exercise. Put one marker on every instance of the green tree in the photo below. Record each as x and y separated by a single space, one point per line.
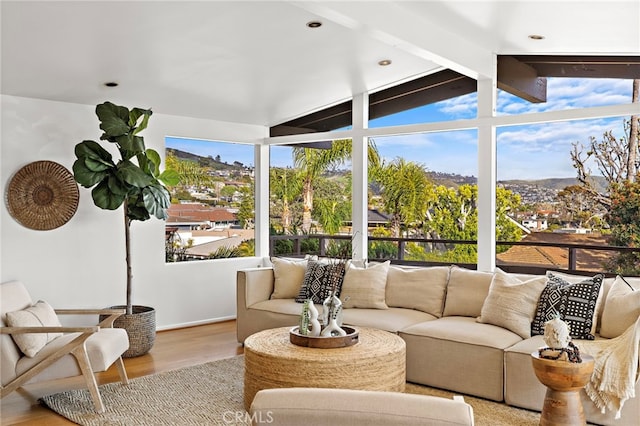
506 228
247 248
405 190
246 211
190 173
313 162
332 203
285 186
624 218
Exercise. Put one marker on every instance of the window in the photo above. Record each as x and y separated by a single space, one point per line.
310 194
212 208
541 163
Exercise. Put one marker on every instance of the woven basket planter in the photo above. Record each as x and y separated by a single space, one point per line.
141 328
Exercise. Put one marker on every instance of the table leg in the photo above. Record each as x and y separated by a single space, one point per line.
562 408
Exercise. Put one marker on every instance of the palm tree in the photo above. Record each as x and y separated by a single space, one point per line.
285 186
312 162
191 174
405 192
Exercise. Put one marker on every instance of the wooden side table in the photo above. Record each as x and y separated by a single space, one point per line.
564 380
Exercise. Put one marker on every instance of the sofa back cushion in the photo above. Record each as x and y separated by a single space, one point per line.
512 302
622 307
466 292
422 289
365 287
288 277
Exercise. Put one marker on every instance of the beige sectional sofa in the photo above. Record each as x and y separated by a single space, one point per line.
456 336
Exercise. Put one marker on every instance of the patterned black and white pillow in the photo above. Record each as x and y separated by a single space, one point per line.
320 279
574 302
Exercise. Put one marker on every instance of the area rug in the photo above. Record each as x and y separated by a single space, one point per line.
212 394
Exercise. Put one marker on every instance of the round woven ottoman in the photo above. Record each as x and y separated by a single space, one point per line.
376 362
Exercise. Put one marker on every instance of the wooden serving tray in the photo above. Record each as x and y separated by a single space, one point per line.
324 342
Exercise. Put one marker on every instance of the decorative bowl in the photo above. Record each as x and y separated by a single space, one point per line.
324 342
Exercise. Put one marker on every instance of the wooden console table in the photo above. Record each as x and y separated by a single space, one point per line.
376 362
564 381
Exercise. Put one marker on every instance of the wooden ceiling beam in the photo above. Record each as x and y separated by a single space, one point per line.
521 80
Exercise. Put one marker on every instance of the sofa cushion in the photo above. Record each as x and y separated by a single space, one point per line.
465 330
320 279
459 354
574 302
288 277
512 303
466 292
281 306
392 319
365 287
422 289
39 315
621 308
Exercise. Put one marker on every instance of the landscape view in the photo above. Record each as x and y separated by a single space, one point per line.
585 199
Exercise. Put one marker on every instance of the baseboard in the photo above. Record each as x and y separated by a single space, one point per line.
195 323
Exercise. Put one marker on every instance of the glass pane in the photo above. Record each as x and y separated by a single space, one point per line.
457 108
569 93
310 197
212 208
538 163
425 190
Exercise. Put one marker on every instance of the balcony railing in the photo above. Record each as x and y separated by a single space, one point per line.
572 252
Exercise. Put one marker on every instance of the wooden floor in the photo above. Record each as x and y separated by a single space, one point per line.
173 349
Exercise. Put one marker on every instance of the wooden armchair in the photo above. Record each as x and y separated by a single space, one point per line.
69 351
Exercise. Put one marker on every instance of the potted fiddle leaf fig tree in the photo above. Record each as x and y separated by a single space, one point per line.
134 182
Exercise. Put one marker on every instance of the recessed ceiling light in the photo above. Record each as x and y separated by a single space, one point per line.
111 84
384 62
536 37
314 24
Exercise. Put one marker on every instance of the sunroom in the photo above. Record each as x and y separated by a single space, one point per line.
241 72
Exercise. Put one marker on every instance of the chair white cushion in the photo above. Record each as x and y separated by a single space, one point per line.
39 315
103 348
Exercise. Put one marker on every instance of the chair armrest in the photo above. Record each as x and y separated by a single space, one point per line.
112 314
23 330
89 311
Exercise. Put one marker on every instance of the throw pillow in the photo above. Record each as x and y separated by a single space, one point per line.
365 287
422 289
574 302
288 276
319 281
39 315
511 302
466 291
621 308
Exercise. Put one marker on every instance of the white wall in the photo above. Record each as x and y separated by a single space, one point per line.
82 263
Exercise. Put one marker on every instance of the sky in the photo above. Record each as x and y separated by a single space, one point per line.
523 152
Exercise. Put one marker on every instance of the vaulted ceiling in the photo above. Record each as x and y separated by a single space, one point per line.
260 63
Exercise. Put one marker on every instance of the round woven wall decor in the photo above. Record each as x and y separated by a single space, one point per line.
42 195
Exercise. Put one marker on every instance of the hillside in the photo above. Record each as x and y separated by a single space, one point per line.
556 184
205 161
